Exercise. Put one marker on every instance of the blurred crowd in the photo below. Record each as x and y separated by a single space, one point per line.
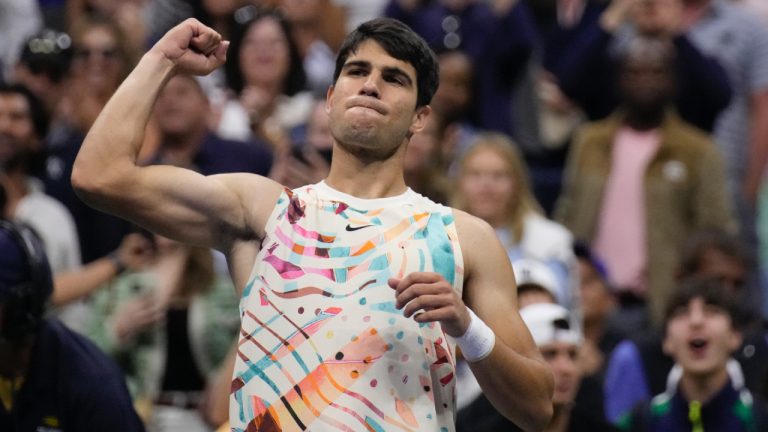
617 147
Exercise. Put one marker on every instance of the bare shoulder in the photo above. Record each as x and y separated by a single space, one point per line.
488 278
473 233
480 247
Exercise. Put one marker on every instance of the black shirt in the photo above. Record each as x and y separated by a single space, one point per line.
71 387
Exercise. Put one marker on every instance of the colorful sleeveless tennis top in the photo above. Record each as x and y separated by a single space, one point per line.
322 347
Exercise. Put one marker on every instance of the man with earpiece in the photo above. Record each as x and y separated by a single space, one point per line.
51 378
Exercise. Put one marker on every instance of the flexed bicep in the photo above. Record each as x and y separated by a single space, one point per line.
187 206
171 201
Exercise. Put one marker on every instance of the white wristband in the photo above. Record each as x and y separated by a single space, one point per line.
478 341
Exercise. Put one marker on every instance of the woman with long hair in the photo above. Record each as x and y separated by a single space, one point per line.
493 184
266 79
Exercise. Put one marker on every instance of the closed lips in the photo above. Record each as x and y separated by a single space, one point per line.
370 103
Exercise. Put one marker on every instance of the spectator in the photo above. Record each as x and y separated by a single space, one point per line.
100 61
44 65
553 331
169 326
23 126
739 41
452 106
536 283
182 116
493 185
51 377
638 367
309 160
604 326
265 74
587 72
640 181
317 27
560 22
128 15
706 389
498 36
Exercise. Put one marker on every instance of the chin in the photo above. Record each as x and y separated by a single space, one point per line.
701 368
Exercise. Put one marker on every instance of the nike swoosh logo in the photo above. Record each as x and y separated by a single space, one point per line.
349 228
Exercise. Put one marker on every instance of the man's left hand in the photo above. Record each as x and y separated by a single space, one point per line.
429 297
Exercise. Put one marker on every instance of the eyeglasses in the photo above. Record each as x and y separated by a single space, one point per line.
105 53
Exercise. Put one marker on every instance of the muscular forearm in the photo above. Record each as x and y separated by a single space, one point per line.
113 143
519 387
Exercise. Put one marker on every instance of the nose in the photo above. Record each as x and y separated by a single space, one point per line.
371 85
697 313
563 365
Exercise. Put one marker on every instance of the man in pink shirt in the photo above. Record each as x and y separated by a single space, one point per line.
639 181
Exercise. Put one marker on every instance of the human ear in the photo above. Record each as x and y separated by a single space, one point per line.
666 346
328 96
420 119
735 340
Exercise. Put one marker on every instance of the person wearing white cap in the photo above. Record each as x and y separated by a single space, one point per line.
536 283
559 341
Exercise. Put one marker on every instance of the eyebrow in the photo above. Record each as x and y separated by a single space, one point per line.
396 71
387 70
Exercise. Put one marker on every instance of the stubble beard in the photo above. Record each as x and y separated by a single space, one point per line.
365 143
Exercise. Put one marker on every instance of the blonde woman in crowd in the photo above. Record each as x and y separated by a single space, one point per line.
493 185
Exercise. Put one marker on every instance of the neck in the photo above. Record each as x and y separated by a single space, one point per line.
702 387
364 179
416 179
644 120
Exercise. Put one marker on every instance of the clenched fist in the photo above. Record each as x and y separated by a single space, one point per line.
193 48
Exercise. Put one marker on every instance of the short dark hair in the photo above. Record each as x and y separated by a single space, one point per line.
712 238
37 110
402 43
713 293
244 18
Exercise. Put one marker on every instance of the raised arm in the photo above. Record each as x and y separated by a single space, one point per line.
514 376
174 202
